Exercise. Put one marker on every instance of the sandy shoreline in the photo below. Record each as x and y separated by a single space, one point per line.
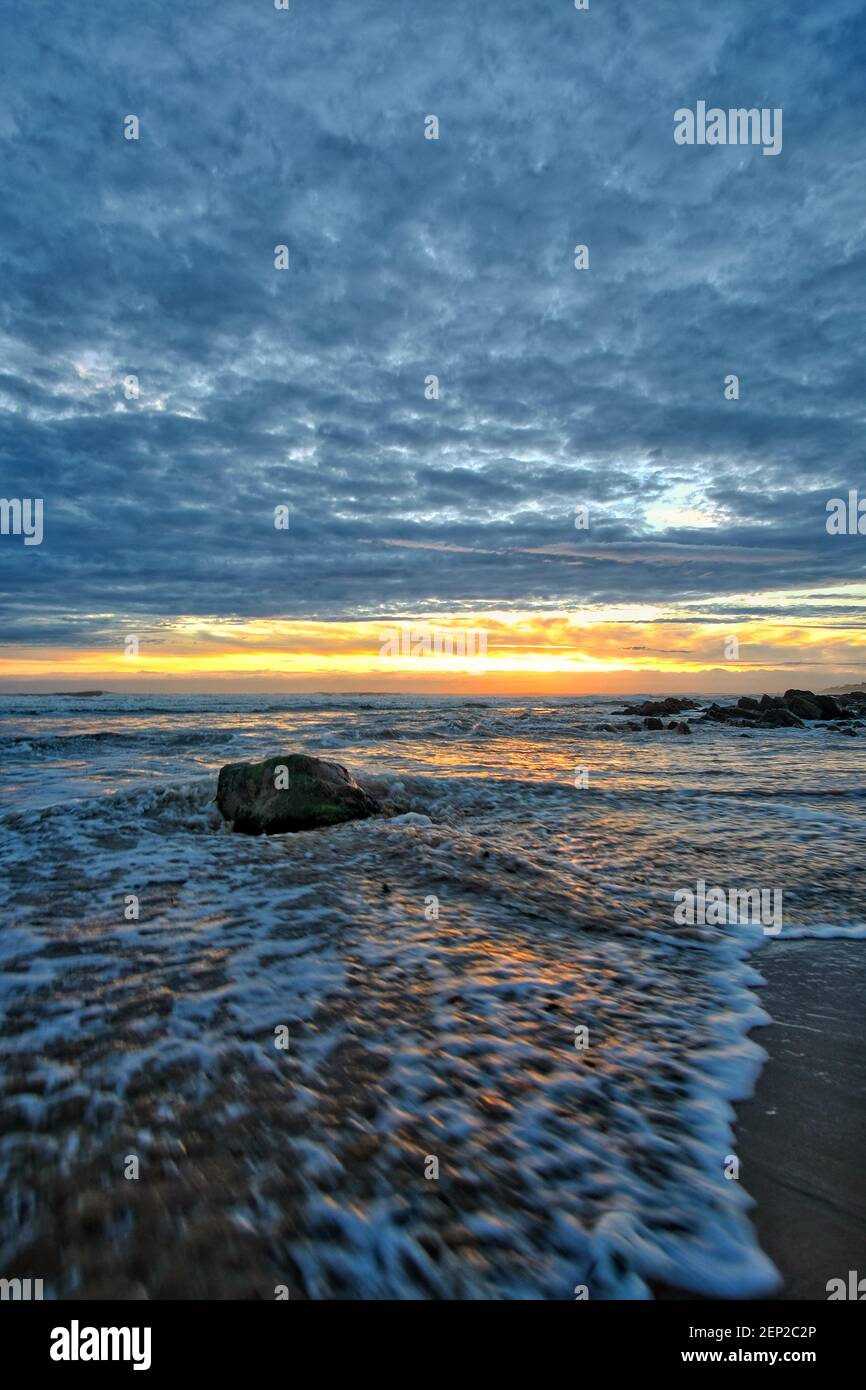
801 1137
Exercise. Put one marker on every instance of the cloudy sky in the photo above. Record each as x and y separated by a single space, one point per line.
411 257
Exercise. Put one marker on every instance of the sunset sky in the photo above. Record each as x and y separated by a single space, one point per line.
305 388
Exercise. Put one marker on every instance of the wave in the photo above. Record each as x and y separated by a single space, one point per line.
63 745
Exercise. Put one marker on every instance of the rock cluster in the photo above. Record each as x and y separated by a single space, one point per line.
653 708
792 710
845 713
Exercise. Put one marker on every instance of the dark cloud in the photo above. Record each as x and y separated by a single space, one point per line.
409 258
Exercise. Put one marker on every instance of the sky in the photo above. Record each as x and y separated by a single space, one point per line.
308 388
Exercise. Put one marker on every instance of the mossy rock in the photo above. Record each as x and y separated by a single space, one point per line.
292 792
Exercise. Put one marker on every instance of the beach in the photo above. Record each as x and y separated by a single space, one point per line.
801 1137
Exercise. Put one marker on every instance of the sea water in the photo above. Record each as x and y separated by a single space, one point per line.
346 1061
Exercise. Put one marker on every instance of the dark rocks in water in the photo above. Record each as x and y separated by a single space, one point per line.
788 711
762 717
781 719
803 704
670 705
801 701
719 714
291 792
830 708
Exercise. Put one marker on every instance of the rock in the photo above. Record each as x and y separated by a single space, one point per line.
251 795
765 716
775 711
830 708
804 709
786 711
804 704
671 705
781 719
719 714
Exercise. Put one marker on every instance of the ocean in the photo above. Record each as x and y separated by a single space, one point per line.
462 1050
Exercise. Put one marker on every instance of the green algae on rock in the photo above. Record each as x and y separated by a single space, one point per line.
290 792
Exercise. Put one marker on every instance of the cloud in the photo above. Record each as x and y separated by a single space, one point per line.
411 257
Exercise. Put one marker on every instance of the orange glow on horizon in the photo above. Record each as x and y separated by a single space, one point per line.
507 652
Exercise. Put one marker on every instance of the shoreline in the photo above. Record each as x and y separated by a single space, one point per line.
801 1136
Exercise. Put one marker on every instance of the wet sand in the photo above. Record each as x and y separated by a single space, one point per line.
801 1139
